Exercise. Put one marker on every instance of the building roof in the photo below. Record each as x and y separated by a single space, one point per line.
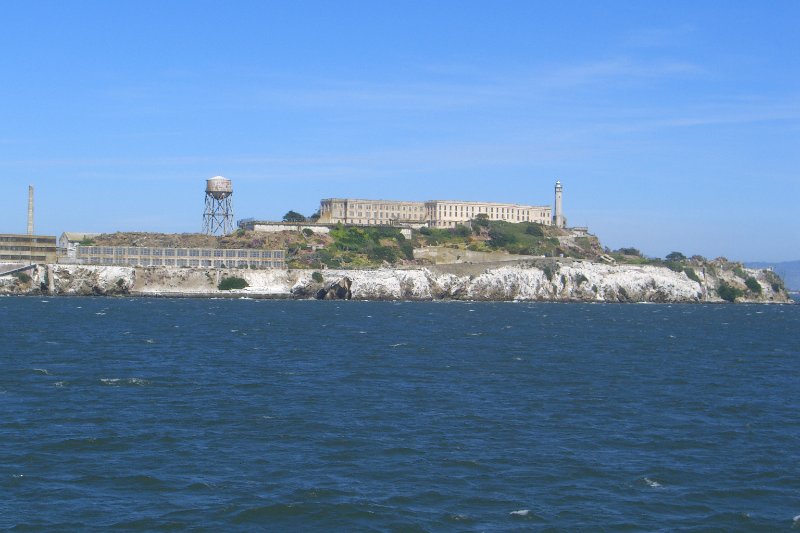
490 204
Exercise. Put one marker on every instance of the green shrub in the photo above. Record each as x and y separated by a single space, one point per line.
691 274
501 235
23 277
753 285
462 231
548 272
407 248
581 279
307 232
675 267
629 251
728 292
316 276
383 253
774 281
534 229
232 283
739 272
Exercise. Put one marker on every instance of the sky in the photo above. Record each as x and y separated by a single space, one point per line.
673 126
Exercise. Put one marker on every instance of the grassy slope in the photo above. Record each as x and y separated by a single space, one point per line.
353 247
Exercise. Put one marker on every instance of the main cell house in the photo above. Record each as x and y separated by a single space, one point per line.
434 213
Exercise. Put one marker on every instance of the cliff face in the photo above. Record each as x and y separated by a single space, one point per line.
578 281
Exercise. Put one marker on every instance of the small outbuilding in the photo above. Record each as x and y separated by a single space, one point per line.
69 240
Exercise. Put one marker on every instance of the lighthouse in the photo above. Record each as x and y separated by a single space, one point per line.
558 217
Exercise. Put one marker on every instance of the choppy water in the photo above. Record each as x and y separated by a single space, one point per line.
240 415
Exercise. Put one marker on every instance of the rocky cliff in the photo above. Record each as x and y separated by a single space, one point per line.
556 281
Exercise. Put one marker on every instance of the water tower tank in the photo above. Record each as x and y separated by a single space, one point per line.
219 187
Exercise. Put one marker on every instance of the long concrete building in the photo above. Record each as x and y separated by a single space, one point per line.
433 213
182 257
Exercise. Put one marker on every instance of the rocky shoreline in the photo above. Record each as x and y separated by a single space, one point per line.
569 281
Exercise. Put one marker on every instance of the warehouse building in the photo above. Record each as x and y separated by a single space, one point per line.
181 257
26 248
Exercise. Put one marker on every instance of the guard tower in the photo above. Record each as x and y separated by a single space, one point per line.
558 217
218 214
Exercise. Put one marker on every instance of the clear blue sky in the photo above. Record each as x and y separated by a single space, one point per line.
673 125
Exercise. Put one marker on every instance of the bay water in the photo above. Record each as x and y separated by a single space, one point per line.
241 415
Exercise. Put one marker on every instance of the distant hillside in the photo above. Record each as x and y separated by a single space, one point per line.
788 270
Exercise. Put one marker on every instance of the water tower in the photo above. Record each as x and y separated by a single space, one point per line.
218 215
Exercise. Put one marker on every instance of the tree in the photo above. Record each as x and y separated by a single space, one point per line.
293 216
629 251
481 220
315 216
675 256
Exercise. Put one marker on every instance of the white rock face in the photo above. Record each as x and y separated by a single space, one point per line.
575 281
579 281
89 279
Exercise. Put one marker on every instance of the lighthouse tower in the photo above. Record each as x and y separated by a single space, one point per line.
558 217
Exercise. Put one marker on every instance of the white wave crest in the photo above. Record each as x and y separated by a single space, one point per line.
121 381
